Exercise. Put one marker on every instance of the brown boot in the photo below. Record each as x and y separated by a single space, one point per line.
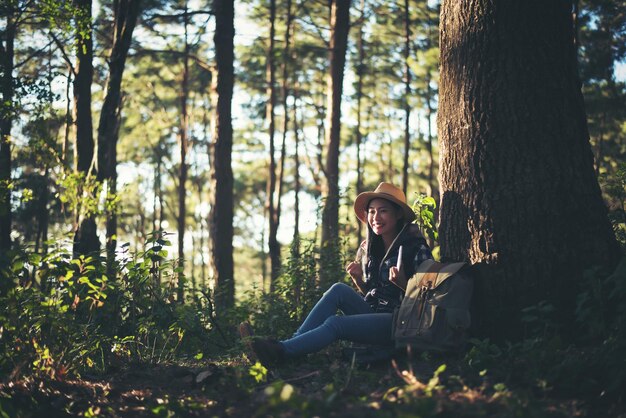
269 352
246 333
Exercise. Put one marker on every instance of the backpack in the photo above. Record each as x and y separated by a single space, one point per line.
435 312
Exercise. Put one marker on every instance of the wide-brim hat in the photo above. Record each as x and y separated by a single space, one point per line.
384 191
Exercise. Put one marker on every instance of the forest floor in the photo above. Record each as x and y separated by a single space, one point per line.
321 385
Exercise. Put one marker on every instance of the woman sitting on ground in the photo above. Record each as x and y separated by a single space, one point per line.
377 275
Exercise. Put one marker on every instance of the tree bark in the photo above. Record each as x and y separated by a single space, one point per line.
126 13
296 170
270 73
85 239
285 91
7 56
184 169
221 217
407 94
360 72
340 24
519 195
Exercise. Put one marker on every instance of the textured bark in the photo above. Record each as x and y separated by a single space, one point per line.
221 217
296 170
340 24
407 94
85 239
519 194
6 123
126 13
329 256
183 145
270 74
285 91
359 111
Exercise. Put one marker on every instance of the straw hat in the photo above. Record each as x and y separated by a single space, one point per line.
384 191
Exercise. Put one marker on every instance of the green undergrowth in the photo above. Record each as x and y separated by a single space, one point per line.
65 320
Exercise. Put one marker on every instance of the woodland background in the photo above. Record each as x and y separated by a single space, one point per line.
169 168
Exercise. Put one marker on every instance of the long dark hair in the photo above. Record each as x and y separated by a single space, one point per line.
376 246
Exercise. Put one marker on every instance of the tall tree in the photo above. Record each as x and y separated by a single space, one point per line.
7 57
126 13
221 217
360 70
340 25
285 93
86 238
270 78
407 94
184 148
519 194
426 74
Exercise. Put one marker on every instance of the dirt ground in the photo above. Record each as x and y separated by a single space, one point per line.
323 387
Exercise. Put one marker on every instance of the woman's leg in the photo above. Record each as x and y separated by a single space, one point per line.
339 297
371 328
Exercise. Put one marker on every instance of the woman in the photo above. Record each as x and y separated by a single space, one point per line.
377 274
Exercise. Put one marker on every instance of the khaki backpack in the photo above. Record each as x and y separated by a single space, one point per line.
435 311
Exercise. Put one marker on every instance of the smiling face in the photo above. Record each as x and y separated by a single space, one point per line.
383 217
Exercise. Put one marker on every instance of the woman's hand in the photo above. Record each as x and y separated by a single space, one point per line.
397 277
355 271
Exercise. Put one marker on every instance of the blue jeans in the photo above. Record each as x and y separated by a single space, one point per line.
359 323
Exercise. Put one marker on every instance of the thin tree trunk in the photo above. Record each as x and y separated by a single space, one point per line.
407 94
265 281
43 217
85 239
429 142
221 218
516 164
296 172
599 153
285 96
68 119
202 259
193 267
141 227
270 73
206 124
340 25
157 216
359 103
6 123
183 173
126 13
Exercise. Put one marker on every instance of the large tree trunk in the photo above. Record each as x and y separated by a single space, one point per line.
340 24
221 217
126 13
519 194
6 122
86 238
270 73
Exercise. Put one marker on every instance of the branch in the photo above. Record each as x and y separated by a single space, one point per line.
177 16
65 56
34 54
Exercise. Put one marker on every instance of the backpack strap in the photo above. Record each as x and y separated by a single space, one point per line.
432 273
429 279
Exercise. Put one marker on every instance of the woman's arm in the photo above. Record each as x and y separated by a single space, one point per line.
356 274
